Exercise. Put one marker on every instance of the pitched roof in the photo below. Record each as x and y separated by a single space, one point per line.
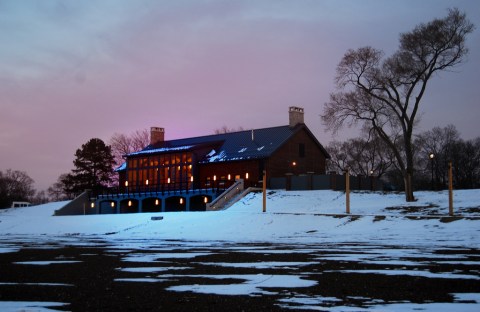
242 145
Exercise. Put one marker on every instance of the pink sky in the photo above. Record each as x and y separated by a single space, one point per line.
74 70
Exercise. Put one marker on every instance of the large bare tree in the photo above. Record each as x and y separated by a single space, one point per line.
385 94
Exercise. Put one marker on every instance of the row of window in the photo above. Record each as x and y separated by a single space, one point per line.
160 160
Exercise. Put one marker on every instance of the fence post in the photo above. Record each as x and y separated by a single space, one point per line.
347 191
264 190
450 190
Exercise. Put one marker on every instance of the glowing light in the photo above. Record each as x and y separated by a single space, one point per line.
156 202
126 183
229 177
205 199
214 178
294 163
146 182
168 180
191 179
181 200
112 204
129 203
92 205
246 175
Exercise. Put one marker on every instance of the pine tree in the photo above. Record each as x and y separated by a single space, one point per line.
93 167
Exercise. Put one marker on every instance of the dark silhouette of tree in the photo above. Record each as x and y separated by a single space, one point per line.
122 144
440 143
15 185
59 190
93 168
385 95
226 129
362 156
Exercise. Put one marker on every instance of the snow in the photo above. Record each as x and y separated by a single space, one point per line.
161 150
300 216
251 284
381 229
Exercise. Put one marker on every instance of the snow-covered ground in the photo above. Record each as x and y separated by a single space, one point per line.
301 216
382 229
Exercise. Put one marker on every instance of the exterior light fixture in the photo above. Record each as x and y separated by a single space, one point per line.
112 204
294 163
129 203
156 202
214 178
246 176
191 179
229 177
168 180
146 182
181 200
126 183
205 199
92 205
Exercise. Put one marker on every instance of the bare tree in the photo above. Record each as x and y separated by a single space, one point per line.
122 144
385 95
225 129
15 185
436 147
361 156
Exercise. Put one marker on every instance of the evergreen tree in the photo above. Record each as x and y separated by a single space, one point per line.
93 168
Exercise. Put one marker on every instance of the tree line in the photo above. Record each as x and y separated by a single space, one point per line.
368 155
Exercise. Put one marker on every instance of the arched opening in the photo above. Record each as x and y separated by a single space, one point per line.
199 202
107 207
152 204
175 203
129 205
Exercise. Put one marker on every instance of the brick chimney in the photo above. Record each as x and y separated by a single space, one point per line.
295 115
157 135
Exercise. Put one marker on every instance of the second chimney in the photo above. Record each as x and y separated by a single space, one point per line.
157 135
295 115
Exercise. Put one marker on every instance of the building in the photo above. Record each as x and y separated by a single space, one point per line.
200 162
188 174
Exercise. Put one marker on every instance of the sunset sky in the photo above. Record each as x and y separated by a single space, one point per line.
74 70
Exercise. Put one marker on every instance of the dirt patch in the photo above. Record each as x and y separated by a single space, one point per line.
379 218
430 209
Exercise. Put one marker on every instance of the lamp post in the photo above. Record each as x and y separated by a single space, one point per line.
431 156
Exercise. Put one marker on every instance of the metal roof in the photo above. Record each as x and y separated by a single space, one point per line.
242 145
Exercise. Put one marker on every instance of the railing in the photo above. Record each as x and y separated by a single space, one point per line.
164 189
221 201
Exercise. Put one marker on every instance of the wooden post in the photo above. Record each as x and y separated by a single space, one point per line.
264 190
450 189
347 191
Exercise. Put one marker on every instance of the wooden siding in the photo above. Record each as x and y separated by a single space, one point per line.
282 161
